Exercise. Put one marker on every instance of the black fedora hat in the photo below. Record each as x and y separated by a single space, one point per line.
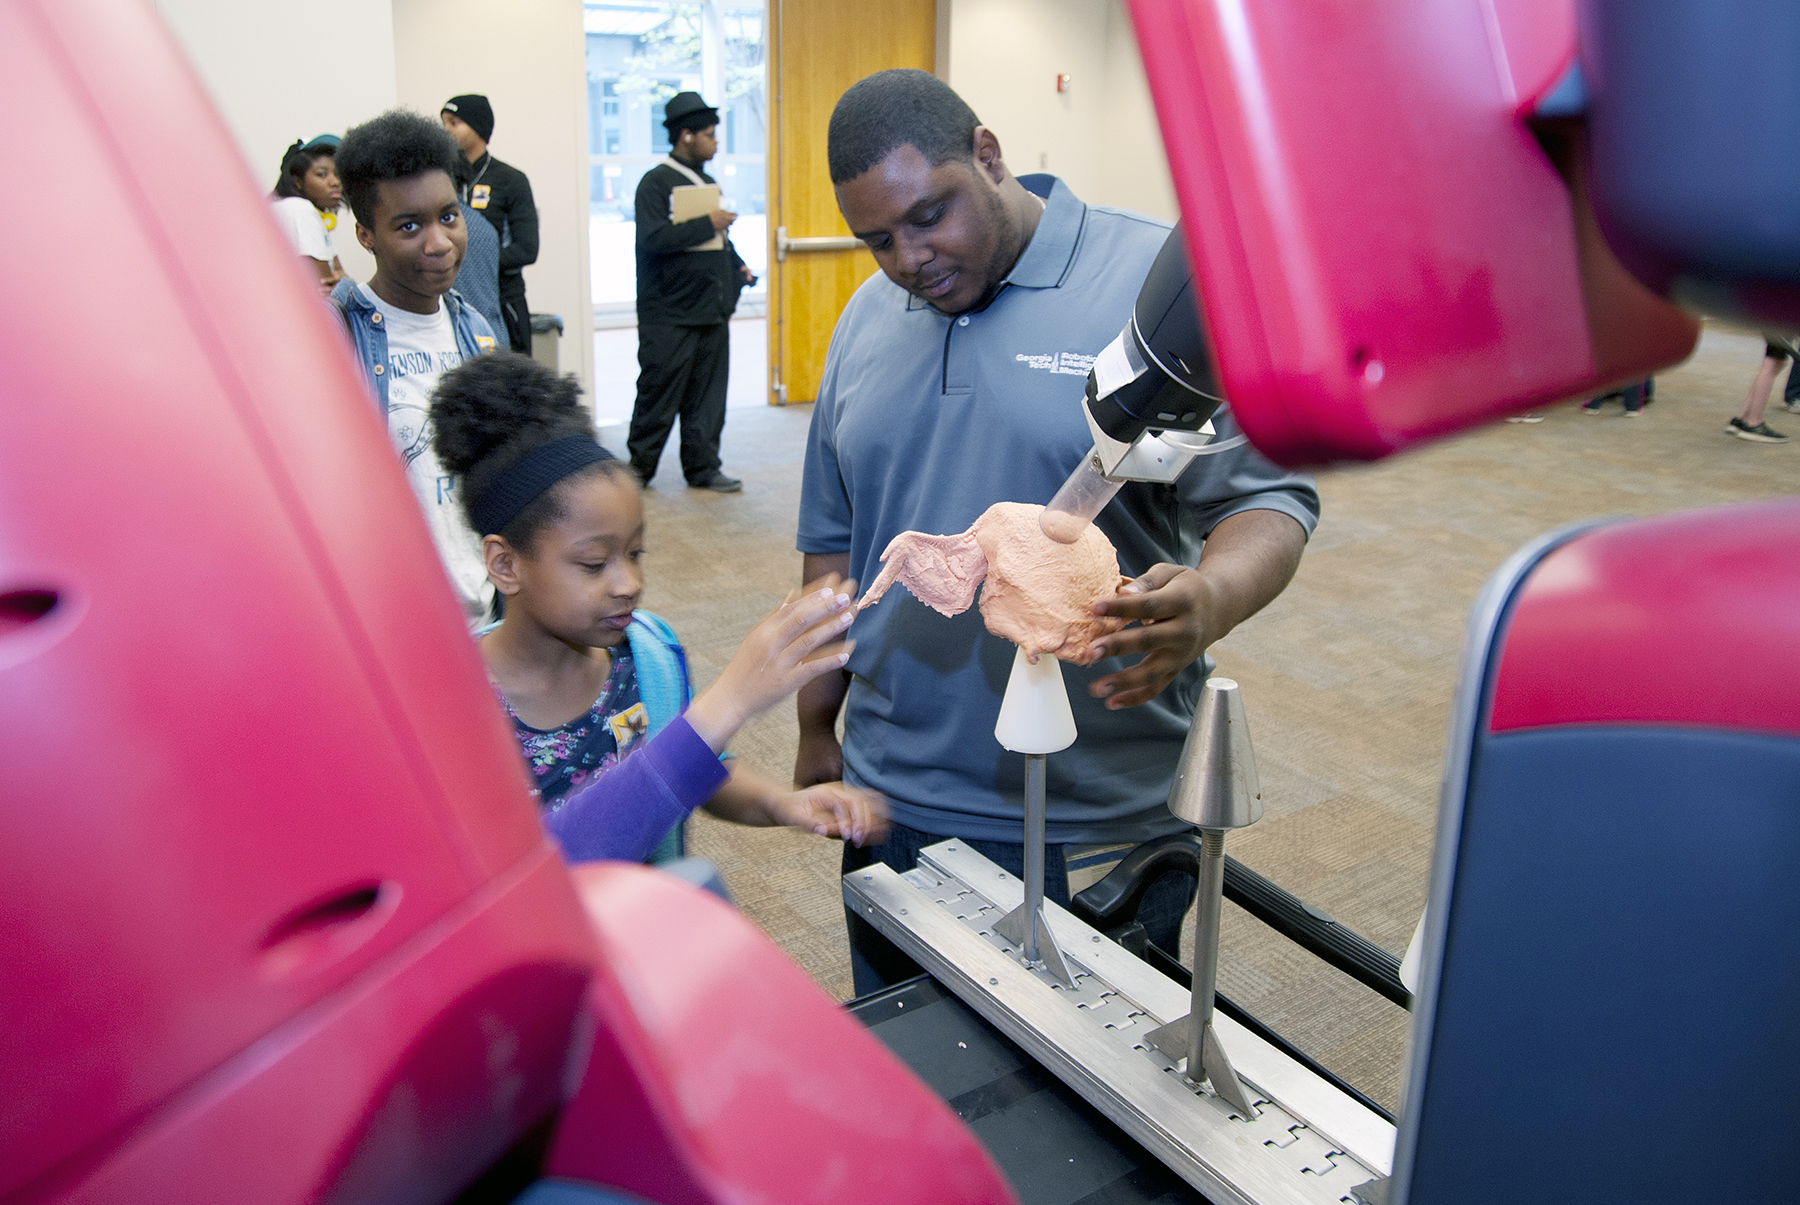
686 111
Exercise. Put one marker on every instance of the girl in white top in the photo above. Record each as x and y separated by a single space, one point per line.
305 201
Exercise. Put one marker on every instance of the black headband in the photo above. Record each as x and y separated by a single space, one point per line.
525 480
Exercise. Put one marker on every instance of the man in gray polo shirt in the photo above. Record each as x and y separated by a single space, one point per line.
953 381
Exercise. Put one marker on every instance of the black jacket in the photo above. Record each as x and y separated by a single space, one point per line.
507 205
675 286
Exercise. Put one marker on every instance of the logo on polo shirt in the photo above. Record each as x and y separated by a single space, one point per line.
1068 363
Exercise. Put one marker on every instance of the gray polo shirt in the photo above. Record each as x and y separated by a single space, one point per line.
922 422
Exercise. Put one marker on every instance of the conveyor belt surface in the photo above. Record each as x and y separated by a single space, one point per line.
1055 1147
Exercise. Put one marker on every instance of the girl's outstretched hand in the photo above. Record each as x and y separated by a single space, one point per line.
833 809
795 643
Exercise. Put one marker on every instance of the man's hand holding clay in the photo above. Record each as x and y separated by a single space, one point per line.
1179 612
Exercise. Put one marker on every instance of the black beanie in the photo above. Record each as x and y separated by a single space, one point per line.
475 113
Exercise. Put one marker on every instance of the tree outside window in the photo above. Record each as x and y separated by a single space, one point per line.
639 54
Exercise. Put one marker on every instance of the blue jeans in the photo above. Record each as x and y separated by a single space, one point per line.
876 962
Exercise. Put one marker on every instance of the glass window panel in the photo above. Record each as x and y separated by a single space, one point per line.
640 53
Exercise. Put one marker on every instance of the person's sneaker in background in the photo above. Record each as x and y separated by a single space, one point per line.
1526 418
1761 433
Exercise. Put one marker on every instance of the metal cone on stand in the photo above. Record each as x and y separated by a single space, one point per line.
1215 790
1035 719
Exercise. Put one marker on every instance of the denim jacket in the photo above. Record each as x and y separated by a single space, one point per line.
473 334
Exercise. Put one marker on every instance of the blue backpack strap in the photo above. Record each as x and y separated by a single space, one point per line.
661 666
662 671
664 689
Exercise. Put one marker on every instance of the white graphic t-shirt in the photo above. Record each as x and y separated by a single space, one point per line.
421 348
305 228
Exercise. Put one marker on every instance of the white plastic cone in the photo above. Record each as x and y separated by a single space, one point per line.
1034 713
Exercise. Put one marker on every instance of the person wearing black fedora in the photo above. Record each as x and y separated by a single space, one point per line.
500 193
688 280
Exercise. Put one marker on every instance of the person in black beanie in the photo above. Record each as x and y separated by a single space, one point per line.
688 280
500 193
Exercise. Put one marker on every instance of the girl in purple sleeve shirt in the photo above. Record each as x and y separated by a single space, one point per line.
562 529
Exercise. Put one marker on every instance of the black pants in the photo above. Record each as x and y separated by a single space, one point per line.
876 962
682 373
517 312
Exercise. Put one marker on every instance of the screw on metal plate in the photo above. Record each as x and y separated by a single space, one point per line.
994 981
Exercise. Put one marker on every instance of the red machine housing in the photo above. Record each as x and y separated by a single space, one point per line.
1389 250
1576 646
281 923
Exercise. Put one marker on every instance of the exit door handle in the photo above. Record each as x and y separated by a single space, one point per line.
784 244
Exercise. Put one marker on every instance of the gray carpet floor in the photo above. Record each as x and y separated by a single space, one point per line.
1347 677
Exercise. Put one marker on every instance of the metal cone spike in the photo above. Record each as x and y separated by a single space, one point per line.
1215 781
1034 713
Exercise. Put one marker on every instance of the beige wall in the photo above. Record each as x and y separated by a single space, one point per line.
1100 135
1135 167
529 58
272 86
274 81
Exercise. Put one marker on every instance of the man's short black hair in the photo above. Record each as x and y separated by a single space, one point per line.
398 145
891 109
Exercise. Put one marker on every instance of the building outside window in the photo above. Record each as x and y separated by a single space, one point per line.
639 54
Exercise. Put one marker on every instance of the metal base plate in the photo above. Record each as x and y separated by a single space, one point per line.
1308 1143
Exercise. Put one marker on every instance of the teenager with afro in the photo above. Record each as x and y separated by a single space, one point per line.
408 324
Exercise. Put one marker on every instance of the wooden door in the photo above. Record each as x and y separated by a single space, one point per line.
818 48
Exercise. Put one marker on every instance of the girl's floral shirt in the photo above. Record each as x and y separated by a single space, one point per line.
564 759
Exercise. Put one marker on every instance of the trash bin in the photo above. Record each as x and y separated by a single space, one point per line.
546 330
